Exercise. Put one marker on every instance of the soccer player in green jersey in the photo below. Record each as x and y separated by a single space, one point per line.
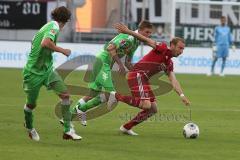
121 45
39 72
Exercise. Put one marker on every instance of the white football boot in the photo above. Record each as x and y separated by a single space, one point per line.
209 74
126 131
33 134
71 135
221 74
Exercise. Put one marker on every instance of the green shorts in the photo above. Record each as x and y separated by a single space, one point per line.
101 77
32 84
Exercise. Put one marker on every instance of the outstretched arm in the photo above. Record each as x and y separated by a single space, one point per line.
177 88
124 29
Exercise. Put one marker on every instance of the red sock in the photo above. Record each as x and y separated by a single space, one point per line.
133 101
141 116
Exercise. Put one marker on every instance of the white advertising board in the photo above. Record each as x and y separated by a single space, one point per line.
193 60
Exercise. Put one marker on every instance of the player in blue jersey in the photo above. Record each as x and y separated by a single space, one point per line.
222 39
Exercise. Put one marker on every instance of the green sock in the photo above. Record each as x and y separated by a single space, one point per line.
28 119
66 117
90 104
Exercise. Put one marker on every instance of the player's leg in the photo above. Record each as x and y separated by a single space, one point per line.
82 101
92 93
132 101
57 85
95 101
213 64
140 117
30 105
100 97
223 66
102 80
81 110
139 86
89 101
31 85
219 53
94 87
83 105
224 58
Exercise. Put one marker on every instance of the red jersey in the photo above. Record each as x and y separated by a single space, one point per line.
157 60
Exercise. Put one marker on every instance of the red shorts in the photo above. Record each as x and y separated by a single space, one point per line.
140 87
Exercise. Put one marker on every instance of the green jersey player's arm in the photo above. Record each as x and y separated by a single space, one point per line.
128 62
124 29
112 50
48 42
123 43
128 58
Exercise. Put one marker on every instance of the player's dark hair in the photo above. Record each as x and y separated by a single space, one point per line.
61 14
145 24
175 40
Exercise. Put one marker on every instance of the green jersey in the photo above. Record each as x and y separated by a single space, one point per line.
40 60
125 45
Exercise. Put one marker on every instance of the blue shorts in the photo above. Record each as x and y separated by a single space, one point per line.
222 51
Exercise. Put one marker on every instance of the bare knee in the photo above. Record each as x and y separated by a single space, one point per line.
87 98
145 104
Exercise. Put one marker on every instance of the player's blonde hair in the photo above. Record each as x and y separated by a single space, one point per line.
145 24
175 40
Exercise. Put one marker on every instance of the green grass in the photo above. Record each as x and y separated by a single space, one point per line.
215 108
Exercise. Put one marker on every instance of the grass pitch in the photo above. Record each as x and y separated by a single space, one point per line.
215 108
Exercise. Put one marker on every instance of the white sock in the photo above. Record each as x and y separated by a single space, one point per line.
65 102
81 101
27 109
102 97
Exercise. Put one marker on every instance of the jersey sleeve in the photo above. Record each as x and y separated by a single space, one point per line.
52 32
122 41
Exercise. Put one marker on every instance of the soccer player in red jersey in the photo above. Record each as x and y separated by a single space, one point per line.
157 60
